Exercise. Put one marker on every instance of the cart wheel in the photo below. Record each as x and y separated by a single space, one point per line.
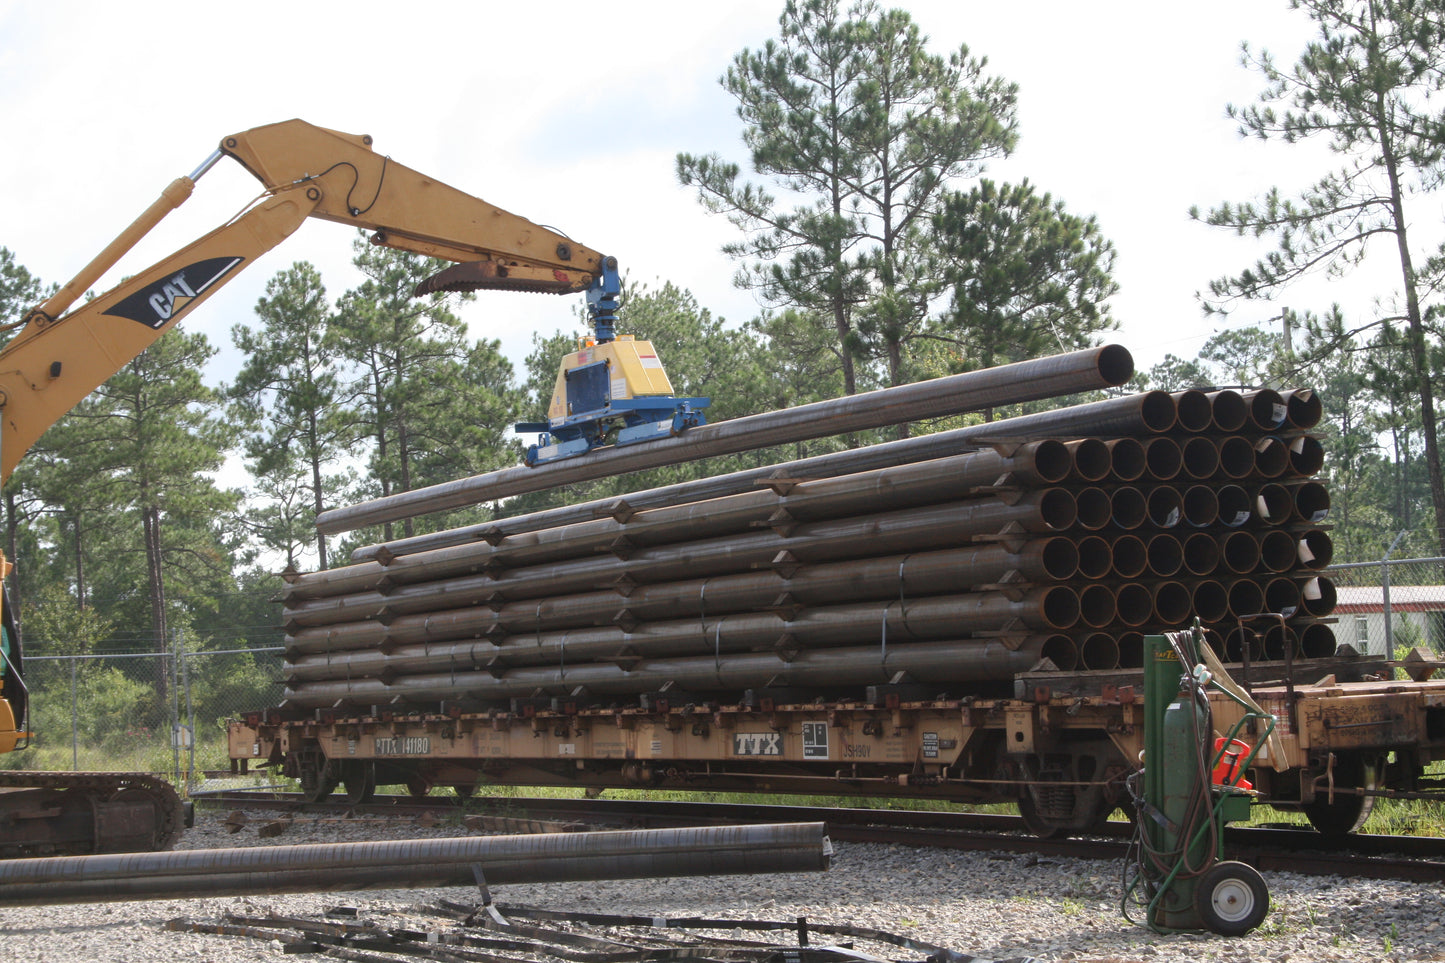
1232 898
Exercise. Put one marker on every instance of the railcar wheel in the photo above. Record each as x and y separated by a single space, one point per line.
1037 823
359 780
1348 812
1231 898
317 784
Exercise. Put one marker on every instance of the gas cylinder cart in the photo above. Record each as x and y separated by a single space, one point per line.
1191 784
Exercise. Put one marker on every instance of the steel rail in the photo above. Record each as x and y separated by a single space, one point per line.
1267 848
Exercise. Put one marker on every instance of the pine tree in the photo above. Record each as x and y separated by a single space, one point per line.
1368 86
288 394
1026 277
850 114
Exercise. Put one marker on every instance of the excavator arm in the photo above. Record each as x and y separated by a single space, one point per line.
61 355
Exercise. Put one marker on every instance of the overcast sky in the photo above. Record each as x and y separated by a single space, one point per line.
571 114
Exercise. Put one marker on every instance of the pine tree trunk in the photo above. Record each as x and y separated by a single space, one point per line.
155 578
1415 339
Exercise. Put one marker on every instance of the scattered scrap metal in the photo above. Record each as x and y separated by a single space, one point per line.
451 932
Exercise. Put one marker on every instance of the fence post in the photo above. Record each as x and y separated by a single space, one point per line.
1389 652
190 720
74 721
173 707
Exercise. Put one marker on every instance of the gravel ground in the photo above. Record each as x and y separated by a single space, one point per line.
993 906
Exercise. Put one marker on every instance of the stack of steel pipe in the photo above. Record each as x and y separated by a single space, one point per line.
1055 540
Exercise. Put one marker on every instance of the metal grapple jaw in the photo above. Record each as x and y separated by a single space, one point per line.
491 275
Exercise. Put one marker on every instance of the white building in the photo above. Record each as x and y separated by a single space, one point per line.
1417 617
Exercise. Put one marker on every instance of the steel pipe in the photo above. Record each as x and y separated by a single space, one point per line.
1210 600
1127 459
1282 596
1236 508
1092 459
1228 412
1094 508
1271 457
1065 374
1306 455
1318 596
1047 511
1051 464
1164 555
1149 413
1240 551
333 867
1195 412
1236 457
1131 556
1135 604
1201 553
865 493
1053 608
1098 606
1127 507
1311 502
1303 409
937 663
1200 506
911 575
1172 602
1280 642
1278 551
1131 649
1246 598
1201 457
1316 550
1098 651
1267 409
1096 556
1163 457
1316 640
1164 507
1241 640
1273 504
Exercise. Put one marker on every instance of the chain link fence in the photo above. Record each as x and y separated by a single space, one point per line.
1390 606
158 712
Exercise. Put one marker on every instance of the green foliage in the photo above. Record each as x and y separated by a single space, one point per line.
286 396
430 404
850 114
50 614
19 290
1368 86
1027 278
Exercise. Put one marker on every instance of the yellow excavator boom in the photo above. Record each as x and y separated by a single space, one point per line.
61 355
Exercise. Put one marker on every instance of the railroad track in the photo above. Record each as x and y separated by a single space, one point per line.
1267 849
